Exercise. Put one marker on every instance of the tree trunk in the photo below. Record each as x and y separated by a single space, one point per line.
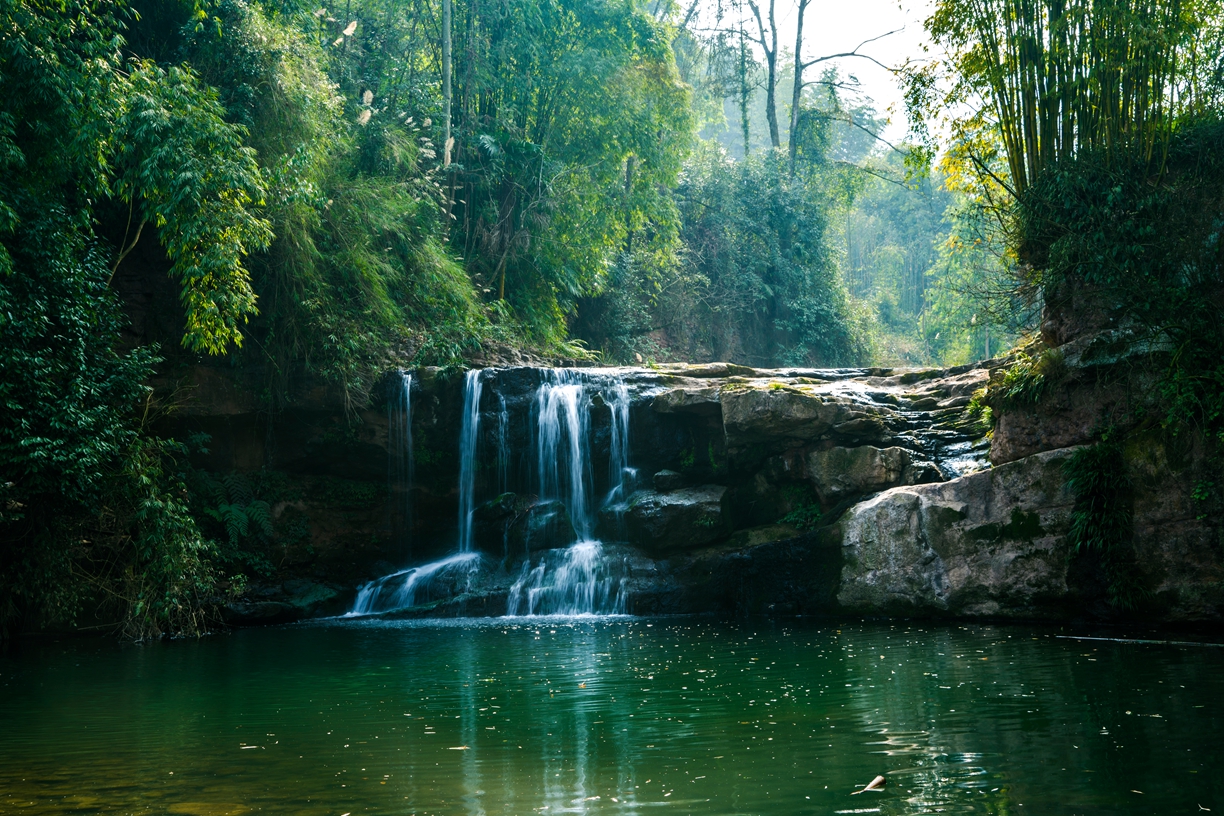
446 83
768 38
745 92
797 91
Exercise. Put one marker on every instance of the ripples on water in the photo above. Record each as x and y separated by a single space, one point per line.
612 716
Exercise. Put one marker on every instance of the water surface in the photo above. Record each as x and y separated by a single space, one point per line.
619 716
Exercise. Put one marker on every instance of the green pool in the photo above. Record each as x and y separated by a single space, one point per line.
615 716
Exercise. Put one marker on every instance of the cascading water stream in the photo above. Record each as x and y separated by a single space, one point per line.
580 579
503 445
401 589
469 439
563 447
399 458
621 477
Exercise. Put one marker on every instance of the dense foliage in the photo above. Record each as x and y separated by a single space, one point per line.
289 169
1097 161
91 506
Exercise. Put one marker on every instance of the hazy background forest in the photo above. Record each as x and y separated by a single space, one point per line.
596 199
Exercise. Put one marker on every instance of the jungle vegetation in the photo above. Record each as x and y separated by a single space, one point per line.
330 191
1092 133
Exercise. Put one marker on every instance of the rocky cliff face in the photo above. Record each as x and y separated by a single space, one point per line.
783 491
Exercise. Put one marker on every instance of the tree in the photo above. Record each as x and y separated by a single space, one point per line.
92 506
767 38
1058 78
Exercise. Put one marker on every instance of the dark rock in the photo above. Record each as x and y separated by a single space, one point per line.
544 525
260 613
487 603
678 520
666 480
921 473
312 598
498 509
838 473
771 570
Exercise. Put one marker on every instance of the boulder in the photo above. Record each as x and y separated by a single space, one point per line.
987 544
676 520
917 473
544 525
666 480
770 570
710 370
701 400
777 414
312 598
492 519
260 613
839 473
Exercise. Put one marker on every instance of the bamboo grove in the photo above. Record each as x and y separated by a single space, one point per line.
1061 77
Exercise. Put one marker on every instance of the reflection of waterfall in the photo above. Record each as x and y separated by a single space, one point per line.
399 458
469 438
469 736
441 579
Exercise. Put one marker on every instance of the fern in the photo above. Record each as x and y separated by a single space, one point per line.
1102 518
259 513
239 488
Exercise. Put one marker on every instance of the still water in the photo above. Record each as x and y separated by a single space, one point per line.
613 716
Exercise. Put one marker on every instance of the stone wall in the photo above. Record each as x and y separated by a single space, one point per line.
776 492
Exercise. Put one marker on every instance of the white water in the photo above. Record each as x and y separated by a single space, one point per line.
579 579
399 457
563 449
621 477
503 445
469 438
575 580
400 589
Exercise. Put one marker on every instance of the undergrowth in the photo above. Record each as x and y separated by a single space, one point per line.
1102 516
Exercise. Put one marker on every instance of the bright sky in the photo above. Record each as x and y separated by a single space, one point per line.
834 26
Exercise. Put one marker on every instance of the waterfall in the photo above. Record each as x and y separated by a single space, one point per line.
563 419
579 579
621 477
401 589
469 437
399 457
503 445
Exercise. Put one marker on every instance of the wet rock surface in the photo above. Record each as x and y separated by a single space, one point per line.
674 520
293 600
887 469
991 544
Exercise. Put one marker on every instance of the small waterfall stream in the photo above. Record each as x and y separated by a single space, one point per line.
401 589
469 438
578 579
574 580
399 459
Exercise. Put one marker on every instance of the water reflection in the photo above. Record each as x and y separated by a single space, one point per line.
625 717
